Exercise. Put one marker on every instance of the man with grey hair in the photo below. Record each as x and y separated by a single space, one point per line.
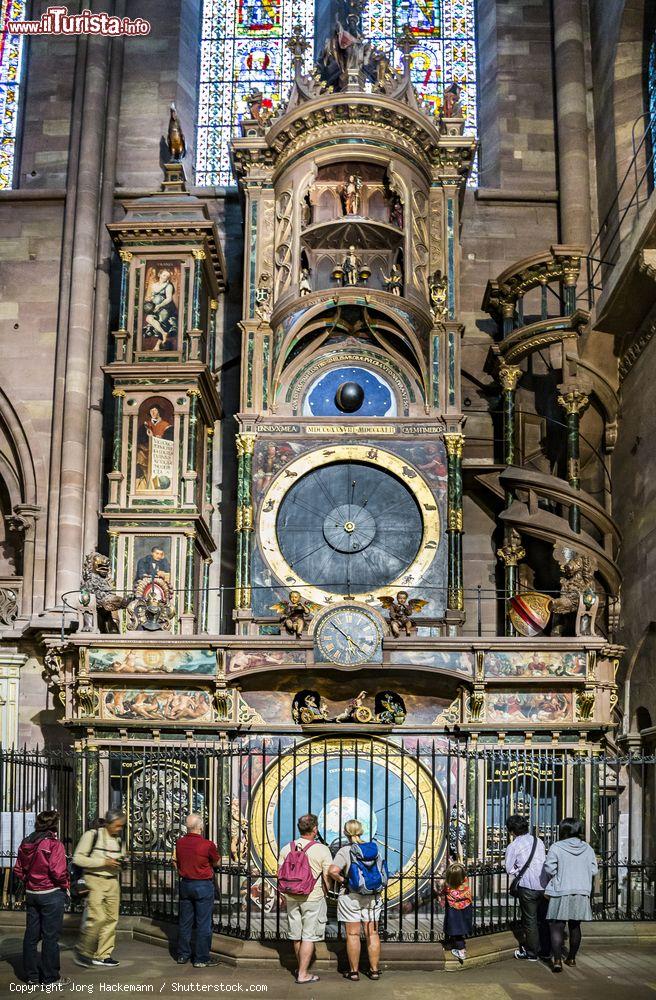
195 858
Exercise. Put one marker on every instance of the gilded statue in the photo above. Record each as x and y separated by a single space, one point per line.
356 710
438 295
351 196
175 140
295 613
97 602
393 281
400 612
309 707
351 267
578 594
305 284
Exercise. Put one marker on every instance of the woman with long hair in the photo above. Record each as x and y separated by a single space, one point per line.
42 868
356 910
571 865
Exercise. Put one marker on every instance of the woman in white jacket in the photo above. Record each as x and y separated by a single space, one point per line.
570 866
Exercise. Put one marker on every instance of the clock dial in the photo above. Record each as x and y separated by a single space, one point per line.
349 527
348 636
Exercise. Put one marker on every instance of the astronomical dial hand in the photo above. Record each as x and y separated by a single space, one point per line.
350 641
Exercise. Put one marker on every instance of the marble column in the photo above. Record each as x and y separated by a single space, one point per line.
574 400
10 666
454 443
572 122
510 553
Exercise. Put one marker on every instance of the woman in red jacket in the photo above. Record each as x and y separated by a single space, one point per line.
41 865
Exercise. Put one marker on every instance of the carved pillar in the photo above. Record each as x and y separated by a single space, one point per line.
574 400
195 333
187 616
121 335
509 376
24 520
511 553
78 828
191 473
245 448
10 666
454 447
507 318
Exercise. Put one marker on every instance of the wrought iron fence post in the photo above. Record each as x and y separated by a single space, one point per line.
92 757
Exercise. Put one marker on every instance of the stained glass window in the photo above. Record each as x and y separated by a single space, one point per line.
242 48
10 71
445 49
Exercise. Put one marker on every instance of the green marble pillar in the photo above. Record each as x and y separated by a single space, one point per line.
510 553
454 443
192 430
126 257
117 444
595 830
245 448
78 778
93 785
472 810
189 573
573 400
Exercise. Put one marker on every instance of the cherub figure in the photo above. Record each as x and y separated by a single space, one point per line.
400 613
295 613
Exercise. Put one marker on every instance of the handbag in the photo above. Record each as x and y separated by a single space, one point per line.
513 888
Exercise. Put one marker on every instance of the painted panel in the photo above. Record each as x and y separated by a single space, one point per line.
529 706
243 659
153 705
460 663
152 661
535 664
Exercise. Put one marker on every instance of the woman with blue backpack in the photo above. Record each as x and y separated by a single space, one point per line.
362 877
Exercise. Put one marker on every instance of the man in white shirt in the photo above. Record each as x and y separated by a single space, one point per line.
530 888
306 915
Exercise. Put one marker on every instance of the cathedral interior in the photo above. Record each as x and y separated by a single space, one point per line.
332 456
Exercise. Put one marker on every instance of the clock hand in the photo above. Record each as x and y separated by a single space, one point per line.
348 638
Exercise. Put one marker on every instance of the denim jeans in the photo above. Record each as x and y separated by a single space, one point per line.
534 932
196 905
43 922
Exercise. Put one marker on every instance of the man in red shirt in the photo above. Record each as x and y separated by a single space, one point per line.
195 858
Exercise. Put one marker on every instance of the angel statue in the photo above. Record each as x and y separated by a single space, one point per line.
393 282
295 613
400 613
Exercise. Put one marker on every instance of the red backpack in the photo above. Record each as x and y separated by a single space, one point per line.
295 876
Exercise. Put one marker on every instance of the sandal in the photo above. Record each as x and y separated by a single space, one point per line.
304 982
354 977
374 973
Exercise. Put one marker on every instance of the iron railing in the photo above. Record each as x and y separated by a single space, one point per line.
426 799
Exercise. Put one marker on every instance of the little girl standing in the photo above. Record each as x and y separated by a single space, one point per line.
457 899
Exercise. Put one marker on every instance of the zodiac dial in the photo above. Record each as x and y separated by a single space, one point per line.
348 636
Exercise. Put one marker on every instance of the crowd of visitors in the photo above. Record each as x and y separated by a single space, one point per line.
553 889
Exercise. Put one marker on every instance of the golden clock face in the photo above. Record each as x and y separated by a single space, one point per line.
349 520
348 636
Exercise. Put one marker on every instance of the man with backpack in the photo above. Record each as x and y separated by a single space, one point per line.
303 880
362 875
42 868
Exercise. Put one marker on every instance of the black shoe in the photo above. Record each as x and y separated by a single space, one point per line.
105 963
63 982
182 961
33 982
209 964
82 960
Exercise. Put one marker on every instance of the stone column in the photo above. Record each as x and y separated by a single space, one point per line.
75 410
23 520
245 449
572 123
10 666
455 593
191 473
510 554
574 400
187 618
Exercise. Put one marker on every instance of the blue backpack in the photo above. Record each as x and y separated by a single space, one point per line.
367 872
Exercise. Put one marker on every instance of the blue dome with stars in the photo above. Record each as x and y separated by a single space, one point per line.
378 398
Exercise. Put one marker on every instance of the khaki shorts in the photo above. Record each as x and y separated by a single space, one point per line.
352 908
306 919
